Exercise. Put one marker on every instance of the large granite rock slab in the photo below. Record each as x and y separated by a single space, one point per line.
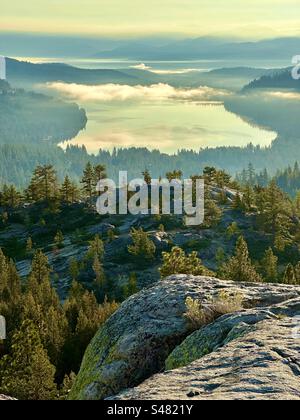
260 362
136 341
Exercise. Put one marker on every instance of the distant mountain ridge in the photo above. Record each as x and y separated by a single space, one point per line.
43 45
147 48
24 74
207 48
19 72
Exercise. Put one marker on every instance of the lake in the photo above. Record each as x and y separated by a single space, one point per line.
165 125
158 117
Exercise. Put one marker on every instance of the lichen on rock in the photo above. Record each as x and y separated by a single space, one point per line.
150 328
261 364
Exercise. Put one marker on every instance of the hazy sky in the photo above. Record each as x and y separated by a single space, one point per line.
241 18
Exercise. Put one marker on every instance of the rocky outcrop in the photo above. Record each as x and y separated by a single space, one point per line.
257 363
146 330
208 339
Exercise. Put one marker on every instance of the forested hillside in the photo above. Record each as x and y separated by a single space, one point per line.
18 162
22 73
26 73
279 80
287 179
31 118
65 268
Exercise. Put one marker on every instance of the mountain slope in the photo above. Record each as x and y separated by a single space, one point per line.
27 117
279 80
21 72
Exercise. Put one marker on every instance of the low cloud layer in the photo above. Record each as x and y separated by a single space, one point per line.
114 92
145 67
181 71
285 95
141 66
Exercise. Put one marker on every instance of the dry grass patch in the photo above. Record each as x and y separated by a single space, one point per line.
200 315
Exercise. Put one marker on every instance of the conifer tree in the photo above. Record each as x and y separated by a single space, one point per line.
239 267
297 203
111 235
13 280
260 199
40 268
67 385
96 248
74 269
248 198
161 228
251 174
297 272
59 239
4 217
100 279
147 177
142 248
210 174
289 276
177 262
29 246
269 266
132 287
273 198
176 174
74 193
220 257
84 316
42 306
3 271
232 230
237 202
212 212
99 173
10 294
88 180
222 198
10 197
43 185
27 373
66 190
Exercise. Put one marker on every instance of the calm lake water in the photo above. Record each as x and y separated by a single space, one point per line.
167 126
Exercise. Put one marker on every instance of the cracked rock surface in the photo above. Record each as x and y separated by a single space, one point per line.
250 354
263 363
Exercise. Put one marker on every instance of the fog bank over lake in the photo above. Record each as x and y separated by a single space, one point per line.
163 119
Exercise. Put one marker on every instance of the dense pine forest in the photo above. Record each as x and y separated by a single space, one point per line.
251 233
32 118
